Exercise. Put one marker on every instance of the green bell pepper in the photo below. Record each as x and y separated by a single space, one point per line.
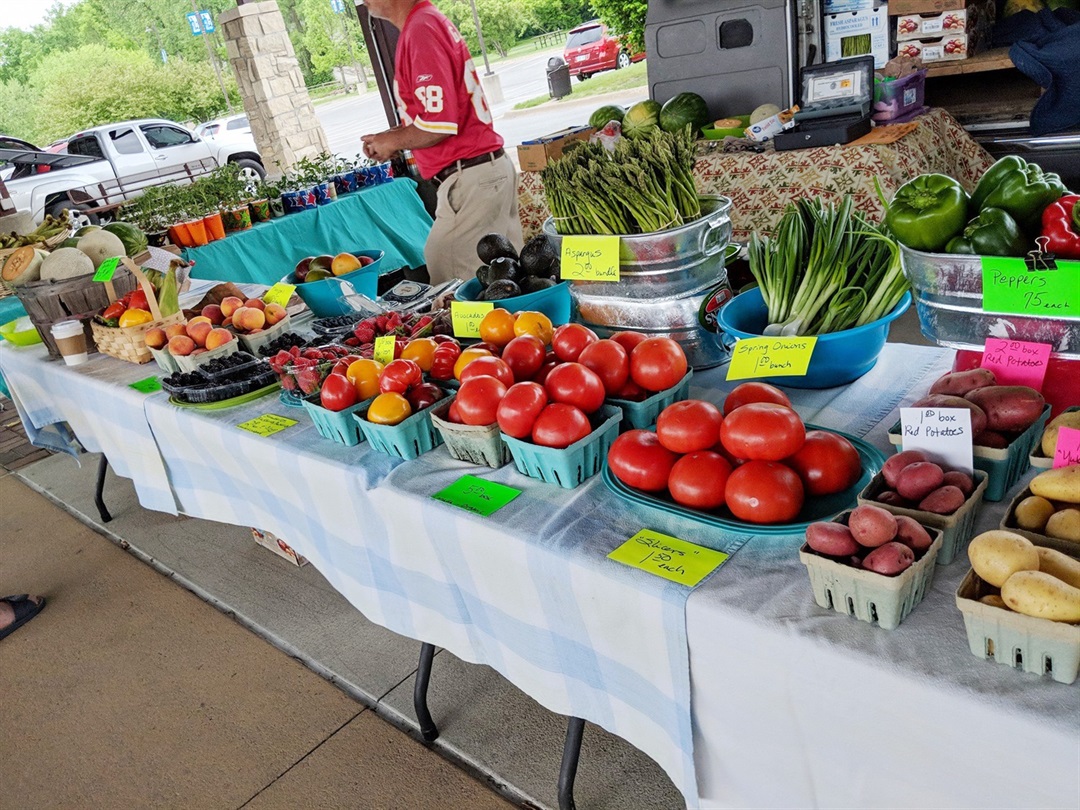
992 233
927 212
1020 188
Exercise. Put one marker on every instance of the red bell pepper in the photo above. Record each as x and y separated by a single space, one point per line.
1059 227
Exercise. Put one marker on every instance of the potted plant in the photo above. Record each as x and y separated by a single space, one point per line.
230 189
344 176
261 206
312 176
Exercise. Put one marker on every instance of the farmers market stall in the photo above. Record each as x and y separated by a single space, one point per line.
388 217
761 185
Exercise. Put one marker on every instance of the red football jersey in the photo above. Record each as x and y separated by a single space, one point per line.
436 89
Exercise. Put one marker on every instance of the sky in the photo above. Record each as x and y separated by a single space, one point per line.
25 13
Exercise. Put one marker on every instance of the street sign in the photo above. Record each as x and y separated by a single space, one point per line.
193 21
201 22
338 6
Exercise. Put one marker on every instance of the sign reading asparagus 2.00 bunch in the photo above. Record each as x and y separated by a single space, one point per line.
771 357
1011 287
590 258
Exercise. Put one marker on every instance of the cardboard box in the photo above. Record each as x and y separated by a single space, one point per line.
867 31
940 49
944 23
278 546
898 7
534 155
843 6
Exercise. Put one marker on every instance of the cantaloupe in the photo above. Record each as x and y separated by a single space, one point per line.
64 263
22 266
101 245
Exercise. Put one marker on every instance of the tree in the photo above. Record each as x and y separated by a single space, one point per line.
333 40
558 15
503 21
626 18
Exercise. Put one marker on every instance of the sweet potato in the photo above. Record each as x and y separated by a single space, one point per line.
943 501
890 470
919 479
961 480
833 539
890 559
1008 407
958 383
871 525
978 416
911 533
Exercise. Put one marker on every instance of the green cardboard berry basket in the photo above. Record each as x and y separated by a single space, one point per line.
338 426
408 439
642 415
571 465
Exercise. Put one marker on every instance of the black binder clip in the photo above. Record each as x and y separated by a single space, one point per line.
1040 258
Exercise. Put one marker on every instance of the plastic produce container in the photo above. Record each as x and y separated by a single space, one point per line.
249 363
899 100
867 595
20 337
477 444
192 361
338 426
571 465
409 439
643 414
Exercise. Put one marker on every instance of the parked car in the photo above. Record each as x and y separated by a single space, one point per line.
8 142
591 48
107 165
233 127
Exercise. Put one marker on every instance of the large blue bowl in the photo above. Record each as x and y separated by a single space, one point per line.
839 357
553 302
324 298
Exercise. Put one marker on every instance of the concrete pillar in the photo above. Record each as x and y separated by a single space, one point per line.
282 118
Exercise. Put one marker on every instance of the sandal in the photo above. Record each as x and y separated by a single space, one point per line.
24 609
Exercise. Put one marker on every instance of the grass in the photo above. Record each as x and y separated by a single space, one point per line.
608 82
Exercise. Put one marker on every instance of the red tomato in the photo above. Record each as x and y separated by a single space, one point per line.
575 385
639 460
560 425
657 363
478 400
684 427
423 395
569 340
632 392
628 340
337 393
452 413
698 480
491 347
754 392
764 492
826 463
518 410
542 374
398 376
489 367
762 430
525 355
610 361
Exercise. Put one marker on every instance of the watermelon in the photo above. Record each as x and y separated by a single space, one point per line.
683 109
609 112
134 239
641 119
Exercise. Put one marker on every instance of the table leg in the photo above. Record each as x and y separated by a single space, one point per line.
103 465
428 729
575 728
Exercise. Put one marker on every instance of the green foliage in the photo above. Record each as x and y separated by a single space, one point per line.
328 36
503 21
557 15
626 18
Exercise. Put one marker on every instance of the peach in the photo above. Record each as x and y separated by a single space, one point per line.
247 318
258 303
344 263
156 338
175 329
214 313
218 337
181 345
227 322
274 314
199 331
230 305
200 319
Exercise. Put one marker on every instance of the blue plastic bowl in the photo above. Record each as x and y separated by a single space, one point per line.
553 302
324 298
839 357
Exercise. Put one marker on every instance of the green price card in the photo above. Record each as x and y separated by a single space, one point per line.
1009 287
477 495
267 425
668 557
771 357
590 258
279 294
147 386
466 317
106 269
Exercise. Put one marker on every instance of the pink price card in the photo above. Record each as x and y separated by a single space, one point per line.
1068 447
1016 362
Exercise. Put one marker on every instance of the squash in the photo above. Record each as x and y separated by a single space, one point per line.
134 240
65 263
101 245
22 266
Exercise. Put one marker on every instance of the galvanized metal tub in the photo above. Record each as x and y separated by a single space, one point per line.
664 278
947 288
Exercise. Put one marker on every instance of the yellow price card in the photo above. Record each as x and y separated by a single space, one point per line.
384 349
279 294
267 425
668 557
466 317
590 258
771 357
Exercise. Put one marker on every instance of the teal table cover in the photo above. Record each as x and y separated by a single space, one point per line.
388 217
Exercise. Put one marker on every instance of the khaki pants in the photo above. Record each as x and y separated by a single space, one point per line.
472 203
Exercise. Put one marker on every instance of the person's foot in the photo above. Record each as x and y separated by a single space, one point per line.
15 611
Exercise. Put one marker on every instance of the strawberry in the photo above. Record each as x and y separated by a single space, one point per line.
309 380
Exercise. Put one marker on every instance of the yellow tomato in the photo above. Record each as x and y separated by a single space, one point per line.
364 374
389 409
421 351
467 357
135 317
497 327
534 323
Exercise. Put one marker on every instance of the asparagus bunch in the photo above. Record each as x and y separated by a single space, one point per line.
52 226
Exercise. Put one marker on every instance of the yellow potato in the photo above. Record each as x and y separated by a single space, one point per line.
1064 524
1033 512
1036 593
996 555
1062 484
993 600
1050 435
1059 565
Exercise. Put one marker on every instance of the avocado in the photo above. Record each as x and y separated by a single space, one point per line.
503 288
540 257
504 268
494 246
483 275
531 284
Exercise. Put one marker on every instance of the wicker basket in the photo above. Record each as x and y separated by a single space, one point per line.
130 343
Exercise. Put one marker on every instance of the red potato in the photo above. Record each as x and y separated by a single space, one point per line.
991 438
871 525
961 480
959 383
890 471
943 501
919 480
911 533
1008 407
833 539
890 559
978 416
893 499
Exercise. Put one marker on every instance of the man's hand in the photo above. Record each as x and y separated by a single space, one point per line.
382 146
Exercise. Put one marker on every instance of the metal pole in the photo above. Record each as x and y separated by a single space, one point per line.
360 75
479 35
213 61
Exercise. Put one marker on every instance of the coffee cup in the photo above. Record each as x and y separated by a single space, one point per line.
71 341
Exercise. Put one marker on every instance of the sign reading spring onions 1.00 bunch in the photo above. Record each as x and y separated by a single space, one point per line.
757 357
1010 287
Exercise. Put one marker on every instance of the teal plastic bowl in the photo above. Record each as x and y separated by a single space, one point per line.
839 357
323 298
553 302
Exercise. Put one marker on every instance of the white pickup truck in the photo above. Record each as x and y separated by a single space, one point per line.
107 165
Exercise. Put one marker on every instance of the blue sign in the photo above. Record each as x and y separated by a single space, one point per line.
193 21
201 23
338 6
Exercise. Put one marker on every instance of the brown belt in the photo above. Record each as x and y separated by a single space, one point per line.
488 157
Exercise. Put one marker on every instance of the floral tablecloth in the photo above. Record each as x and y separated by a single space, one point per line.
761 184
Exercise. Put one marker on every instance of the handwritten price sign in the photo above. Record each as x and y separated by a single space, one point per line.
477 495
466 317
1010 287
1016 362
267 425
944 434
668 557
590 258
1068 447
771 357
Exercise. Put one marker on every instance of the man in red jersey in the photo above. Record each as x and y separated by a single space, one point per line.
446 123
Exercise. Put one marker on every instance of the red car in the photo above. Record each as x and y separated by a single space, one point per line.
591 48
